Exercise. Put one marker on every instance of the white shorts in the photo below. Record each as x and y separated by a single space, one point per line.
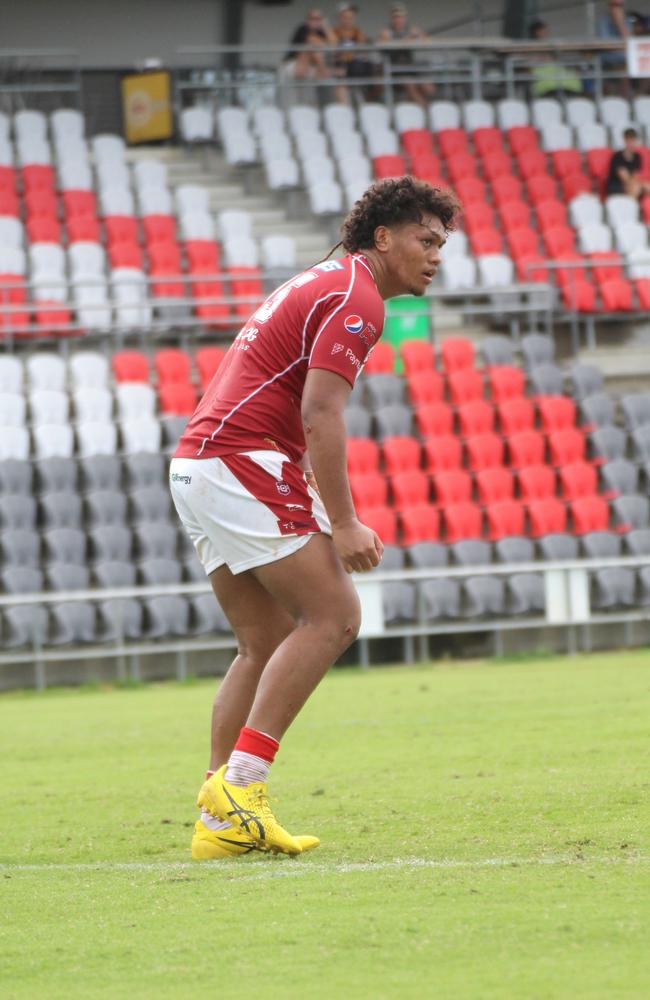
245 510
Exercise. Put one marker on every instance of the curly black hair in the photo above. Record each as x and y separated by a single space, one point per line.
393 201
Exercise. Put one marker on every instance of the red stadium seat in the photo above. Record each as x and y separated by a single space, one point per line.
536 482
541 187
120 228
83 227
462 164
579 295
606 264
51 317
38 177
381 360
484 451
425 164
494 485
532 163
579 479
165 262
478 216
159 228
452 141
462 520
417 356
521 137
523 242
203 256
178 398
551 213
130 366
44 230
556 412
383 520
575 184
457 353
7 179
41 204
420 523
645 209
530 267
452 486
369 489
410 488
598 161
642 288
516 415
616 294
207 361
9 204
434 419
590 513
471 190
559 241
172 365
546 517
417 142
425 387
400 454
475 417
565 162
249 288
505 517
505 382
487 140
363 453
504 189
208 303
566 446
497 164
526 448
442 451
389 166
125 255
514 214
79 203
465 385
13 295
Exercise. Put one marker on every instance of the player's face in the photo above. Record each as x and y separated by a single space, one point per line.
413 256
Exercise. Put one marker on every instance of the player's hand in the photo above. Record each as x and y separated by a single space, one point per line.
359 547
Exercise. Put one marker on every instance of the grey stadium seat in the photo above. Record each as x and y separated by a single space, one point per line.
525 593
57 475
145 469
18 511
16 476
471 552
558 547
208 615
484 595
425 555
20 547
636 409
172 428
151 503
546 379
598 410
601 545
585 380
67 545
632 510
441 599
156 541
399 601
644 585
72 621
514 549
613 586
608 443
357 421
106 507
641 443
193 570
637 542
358 394
110 542
119 617
537 349
168 614
25 624
61 510
393 420
497 350
101 472
384 390
392 558
620 476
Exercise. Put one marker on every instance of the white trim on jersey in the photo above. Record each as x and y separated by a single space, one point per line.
333 314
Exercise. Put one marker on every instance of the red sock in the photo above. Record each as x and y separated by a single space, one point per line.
257 743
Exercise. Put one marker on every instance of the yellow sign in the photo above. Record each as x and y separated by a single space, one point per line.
147 107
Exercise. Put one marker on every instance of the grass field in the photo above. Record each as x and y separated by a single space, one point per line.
484 826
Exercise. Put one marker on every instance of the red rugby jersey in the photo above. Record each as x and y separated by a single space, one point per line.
327 317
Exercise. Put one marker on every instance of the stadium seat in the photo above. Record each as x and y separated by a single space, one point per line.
494 485
484 451
442 451
555 412
409 488
452 486
475 417
566 446
419 523
462 520
177 397
417 356
383 520
381 360
536 482
505 517
505 382
400 454
363 455
526 447
424 387
434 419
464 385
369 489
589 513
578 479
547 516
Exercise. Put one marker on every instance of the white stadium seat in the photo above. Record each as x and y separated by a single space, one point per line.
116 201
46 260
546 111
326 198
141 435
456 245
267 119
382 143
30 125
67 125
11 373
580 111
96 437
620 208
196 125
631 236
234 222
595 237
373 118
409 115
86 257
49 406
495 270
108 148
311 144
93 404
198 225
134 400
12 260
477 114
585 209
88 369
155 201
444 114
355 168
14 443
318 170
556 136
458 272
591 135
512 113
192 198
45 370
53 440
11 231
282 175
150 173
33 151
241 251
338 118
129 290
278 251
303 120
12 409
614 110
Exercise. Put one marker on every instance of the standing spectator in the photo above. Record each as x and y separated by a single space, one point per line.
397 30
549 77
310 65
613 25
349 36
625 169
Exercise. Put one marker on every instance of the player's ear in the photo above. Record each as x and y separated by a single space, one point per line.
383 238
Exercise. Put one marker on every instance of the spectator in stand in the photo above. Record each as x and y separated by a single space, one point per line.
625 169
310 65
614 26
399 30
348 62
549 77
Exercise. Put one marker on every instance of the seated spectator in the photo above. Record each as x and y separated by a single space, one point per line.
614 25
310 65
550 77
398 30
348 63
625 169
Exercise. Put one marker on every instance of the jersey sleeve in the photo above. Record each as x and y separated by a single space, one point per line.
346 334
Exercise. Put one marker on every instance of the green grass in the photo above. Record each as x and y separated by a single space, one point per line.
484 835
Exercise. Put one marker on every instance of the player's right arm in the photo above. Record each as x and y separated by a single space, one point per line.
323 404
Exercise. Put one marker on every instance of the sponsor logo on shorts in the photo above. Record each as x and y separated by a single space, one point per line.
176 478
337 348
353 324
283 488
353 359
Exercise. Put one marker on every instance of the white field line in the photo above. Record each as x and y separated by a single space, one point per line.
283 868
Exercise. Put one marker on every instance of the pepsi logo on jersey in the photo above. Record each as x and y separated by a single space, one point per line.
353 323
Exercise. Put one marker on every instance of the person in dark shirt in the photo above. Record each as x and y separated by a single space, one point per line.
625 169
313 31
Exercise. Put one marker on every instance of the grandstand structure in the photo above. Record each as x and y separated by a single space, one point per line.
506 476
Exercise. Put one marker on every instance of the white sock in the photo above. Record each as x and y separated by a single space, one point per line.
244 768
213 822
